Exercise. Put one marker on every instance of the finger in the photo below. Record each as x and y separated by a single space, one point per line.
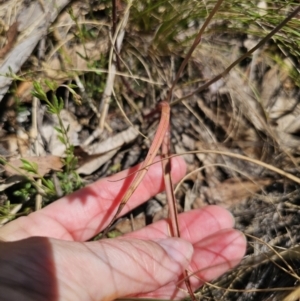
194 225
212 257
84 213
217 247
217 253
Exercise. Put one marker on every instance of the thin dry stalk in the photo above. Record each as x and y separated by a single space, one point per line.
241 157
236 62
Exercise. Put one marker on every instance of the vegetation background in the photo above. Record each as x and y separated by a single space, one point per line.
72 107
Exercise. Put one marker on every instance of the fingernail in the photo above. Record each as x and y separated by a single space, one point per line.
178 249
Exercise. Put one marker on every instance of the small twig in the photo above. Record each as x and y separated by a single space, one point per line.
117 40
57 186
102 70
173 213
114 16
38 198
42 4
33 133
193 47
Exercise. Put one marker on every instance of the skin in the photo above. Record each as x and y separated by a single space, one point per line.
45 256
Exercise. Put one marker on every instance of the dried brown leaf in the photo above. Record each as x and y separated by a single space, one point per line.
44 165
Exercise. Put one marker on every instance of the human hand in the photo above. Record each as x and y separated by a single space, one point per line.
45 256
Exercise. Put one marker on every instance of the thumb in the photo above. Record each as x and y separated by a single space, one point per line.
132 266
40 268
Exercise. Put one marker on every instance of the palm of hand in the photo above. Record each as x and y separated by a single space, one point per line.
144 263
